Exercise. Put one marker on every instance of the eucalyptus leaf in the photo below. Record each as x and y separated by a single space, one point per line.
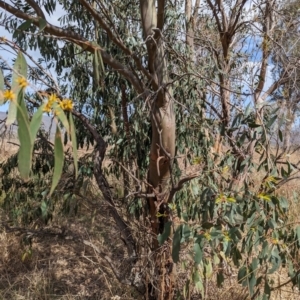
26 143
176 244
74 143
59 159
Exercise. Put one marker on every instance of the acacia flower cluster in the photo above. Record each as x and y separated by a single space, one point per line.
22 82
9 95
65 104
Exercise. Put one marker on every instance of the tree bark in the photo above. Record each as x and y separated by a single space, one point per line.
163 141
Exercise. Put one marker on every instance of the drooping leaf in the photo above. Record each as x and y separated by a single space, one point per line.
36 121
26 143
12 113
59 159
60 114
176 244
280 135
198 253
23 27
271 121
19 70
252 283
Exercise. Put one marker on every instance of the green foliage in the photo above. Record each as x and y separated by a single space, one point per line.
59 159
243 226
28 202
26 143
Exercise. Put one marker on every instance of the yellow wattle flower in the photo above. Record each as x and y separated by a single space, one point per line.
66 104
9 95
47 107
207 236
53 98
22 82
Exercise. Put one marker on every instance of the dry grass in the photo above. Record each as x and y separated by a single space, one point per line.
61 268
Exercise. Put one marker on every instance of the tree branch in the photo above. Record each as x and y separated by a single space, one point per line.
236 16
103 25
77 39
215 15
36 8
282 80
160 14
114 38
149 22
265 50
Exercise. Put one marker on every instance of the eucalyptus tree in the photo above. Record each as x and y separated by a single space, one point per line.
285 57
162 83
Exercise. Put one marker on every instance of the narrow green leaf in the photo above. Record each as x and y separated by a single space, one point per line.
208 270
26 144
254 265
166 233
280 135
24 26
252 284
44 209
271 121
242 274
19 70
60 114
101 65
198 253
176 245
42 24
36 121
59 159
12 113
96 77
74 143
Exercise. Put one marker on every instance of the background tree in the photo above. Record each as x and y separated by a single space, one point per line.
285 57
